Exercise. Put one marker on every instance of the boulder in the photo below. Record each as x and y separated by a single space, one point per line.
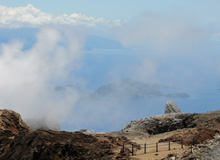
171 107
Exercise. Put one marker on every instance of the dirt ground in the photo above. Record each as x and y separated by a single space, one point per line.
163 148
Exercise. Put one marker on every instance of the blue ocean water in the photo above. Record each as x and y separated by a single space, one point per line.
104 66
202 100
198 102
113 114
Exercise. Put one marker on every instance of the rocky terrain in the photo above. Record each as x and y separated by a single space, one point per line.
198 132
159 123
47 144
18 141
191 136
209 150
11 125
169 122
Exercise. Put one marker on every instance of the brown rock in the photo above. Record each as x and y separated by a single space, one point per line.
17 141
42 144
11 121
191 136
11 125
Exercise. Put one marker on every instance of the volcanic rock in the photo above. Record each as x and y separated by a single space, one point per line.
171 107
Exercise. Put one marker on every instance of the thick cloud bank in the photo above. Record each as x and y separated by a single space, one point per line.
28 77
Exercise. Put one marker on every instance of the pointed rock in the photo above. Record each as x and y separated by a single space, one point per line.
171 107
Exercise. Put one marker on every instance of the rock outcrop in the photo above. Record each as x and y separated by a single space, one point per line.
157 124
169 122
42 144
11 121
17 141
11 125
171 107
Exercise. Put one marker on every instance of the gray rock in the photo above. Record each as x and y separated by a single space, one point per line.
171 107
209 150
157 124
170 122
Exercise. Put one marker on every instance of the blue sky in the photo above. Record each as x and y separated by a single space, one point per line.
123 9
203 12
86 44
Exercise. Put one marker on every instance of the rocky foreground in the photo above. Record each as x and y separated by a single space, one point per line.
18 141
198 131
173 121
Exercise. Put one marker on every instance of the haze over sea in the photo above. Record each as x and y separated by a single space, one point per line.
202 98
55 55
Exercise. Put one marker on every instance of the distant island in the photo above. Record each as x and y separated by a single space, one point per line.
130 88
125 89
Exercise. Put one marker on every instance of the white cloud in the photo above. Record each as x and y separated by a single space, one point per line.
28 77
30 16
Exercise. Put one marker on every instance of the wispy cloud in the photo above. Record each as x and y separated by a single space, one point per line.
30 16
160 32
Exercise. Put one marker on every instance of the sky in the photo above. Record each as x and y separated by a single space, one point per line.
123 9
81 45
